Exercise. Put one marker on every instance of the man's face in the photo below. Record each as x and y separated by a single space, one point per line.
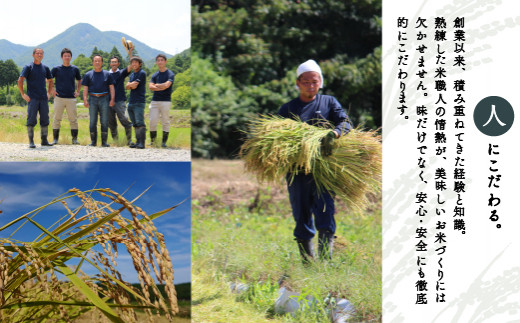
97 62
161 62
135 65
309 84
114 63
38 55
66 58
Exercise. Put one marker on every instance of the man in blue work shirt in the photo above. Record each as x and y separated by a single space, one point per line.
99 86
65 95
119 107
36 75
137 86
311 107
161 84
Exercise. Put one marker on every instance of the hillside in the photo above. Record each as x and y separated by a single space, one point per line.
81 39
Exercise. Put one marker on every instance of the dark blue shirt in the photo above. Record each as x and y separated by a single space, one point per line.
323 107
119 80
36 76
163 77
97 82
65 76
137 95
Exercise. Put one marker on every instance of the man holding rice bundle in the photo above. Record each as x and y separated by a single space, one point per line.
313 108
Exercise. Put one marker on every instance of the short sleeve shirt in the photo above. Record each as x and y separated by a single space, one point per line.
65 76
138 95
36 76
119 80
98 82
163 77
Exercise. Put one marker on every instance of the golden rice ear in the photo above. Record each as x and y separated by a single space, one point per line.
130 45
125 45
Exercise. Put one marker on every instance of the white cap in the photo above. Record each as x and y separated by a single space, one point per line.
310 66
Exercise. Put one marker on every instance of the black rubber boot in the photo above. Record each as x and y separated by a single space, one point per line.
306 251
153 135
325 244
128 132
74 133
115 136
44 133
30 134
56 135
136 132
142 137
104 137
164 138
93 139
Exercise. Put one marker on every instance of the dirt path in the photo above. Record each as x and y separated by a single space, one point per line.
22 152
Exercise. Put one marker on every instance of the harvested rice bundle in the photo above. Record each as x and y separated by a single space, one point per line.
278 146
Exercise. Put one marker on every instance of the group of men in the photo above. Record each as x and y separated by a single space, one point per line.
103 94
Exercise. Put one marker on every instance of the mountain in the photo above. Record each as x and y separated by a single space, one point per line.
80 39
9 50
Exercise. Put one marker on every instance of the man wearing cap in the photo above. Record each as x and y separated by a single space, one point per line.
161 85
36 75
119 107
137 87
311 107
65 96
99 86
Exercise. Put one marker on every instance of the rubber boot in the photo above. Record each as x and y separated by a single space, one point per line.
115 136
305 247
128 132
30 134
136 132
44 133
164 138
142 137
56 135
104 137
74 133
153 135
93 139
325 244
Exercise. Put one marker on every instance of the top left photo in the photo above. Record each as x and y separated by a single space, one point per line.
96 83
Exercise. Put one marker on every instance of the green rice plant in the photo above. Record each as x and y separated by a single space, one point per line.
30 289
278 146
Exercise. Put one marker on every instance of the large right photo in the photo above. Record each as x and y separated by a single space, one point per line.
286 161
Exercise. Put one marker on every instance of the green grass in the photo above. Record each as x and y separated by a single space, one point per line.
253 242
13 129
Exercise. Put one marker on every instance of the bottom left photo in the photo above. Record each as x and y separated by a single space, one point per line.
95 242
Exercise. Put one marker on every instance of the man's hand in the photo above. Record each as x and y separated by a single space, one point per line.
26 98
112 103
327 143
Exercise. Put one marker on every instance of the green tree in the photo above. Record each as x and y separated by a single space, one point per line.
83 63
9 74
181 97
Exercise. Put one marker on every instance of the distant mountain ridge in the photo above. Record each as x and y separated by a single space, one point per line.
81 39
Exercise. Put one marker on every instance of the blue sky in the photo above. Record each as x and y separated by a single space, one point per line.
161 24
25 186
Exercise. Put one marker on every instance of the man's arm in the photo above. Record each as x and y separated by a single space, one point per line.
20 88
50 90
160 86
112 95
131 85
78 91
85 96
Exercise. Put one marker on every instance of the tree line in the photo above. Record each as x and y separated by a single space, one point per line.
245 55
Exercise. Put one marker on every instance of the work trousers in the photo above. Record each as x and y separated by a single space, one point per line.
306 202
62 104
33 108
160 109
98 106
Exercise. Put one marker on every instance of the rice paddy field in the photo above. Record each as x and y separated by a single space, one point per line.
242 233
13 129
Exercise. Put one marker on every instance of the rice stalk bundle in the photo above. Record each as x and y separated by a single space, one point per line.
278 146
31 290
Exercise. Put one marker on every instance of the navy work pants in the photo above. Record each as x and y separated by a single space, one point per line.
306 201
